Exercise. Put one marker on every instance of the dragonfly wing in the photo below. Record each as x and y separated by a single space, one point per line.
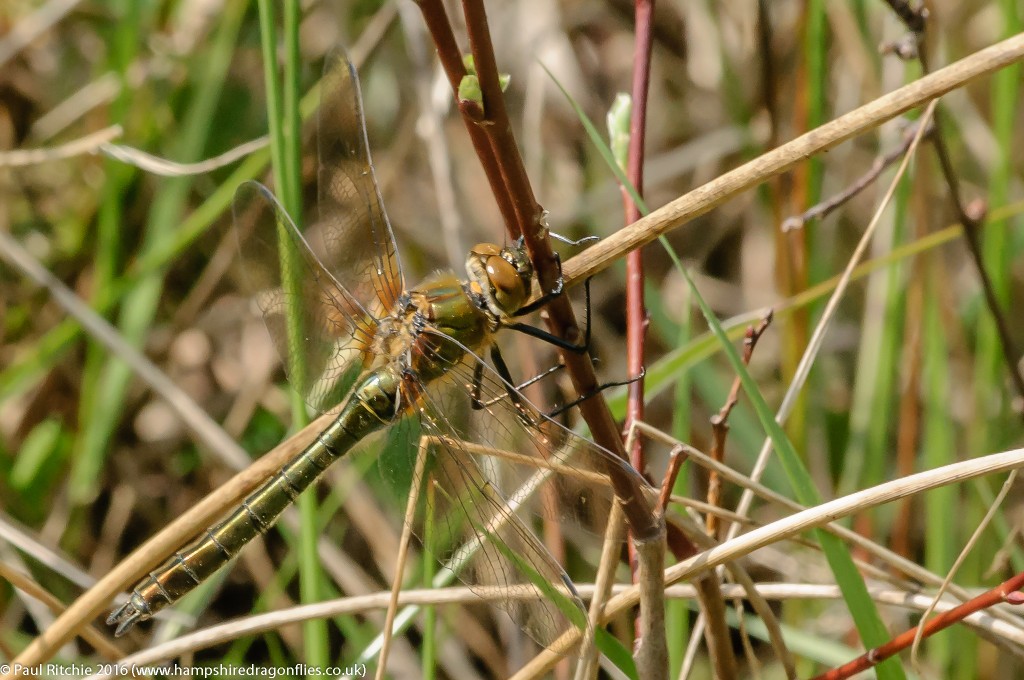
358 241
491 548
504 463
520 443
331 333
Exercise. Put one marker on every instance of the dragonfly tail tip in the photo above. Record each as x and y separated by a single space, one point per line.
125 616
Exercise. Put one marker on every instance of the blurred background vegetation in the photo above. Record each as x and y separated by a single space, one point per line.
911 376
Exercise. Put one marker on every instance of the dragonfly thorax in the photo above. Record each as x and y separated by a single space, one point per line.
501 277
432 326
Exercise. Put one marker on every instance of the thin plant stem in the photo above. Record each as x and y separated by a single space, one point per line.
707 197
418 478
436 19
636 311
561 320
1006 592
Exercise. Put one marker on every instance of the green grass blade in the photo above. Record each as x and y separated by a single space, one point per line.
40 446
284 120
609 645
865 615
141 303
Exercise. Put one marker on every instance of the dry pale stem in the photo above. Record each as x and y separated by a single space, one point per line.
97 599
652 653
787 527
716 192
403 554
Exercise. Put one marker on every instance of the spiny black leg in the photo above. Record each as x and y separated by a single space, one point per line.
551 339
474 394
560 283
546 297
600 388
578 242
502 368
586 313
524 385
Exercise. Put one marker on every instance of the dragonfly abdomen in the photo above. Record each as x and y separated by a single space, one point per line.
370 407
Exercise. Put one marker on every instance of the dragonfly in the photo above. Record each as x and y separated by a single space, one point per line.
417 356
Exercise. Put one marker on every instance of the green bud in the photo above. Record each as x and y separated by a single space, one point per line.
618 127
469 90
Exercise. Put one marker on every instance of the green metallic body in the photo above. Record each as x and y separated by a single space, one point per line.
427 334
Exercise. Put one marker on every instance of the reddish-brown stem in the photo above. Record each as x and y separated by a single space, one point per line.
636 312
676 458
720 421
709 592
450 56
494 124
1007 591
719 430
647 631
678 543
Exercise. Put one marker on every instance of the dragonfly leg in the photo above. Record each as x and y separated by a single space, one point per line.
546 297
474 394
594 392
554 413
477 404
574 243
551 339
560 283
506 377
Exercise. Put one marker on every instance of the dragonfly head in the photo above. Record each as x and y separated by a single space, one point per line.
502 276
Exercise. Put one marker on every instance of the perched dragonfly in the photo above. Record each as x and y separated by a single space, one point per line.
417 356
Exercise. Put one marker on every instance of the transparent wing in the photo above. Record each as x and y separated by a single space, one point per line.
522 448
359 245
487 545
332 333
499 468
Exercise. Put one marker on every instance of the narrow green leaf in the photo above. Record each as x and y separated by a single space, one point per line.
608 644
469 90
861 607
855 593
40 446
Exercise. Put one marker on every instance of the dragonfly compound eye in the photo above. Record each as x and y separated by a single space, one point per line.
510 291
